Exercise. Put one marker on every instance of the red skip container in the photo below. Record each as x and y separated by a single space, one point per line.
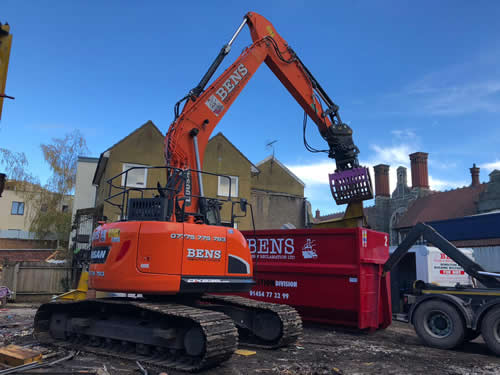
331 276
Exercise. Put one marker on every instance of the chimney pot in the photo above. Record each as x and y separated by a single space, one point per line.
382 180
419 171
474 171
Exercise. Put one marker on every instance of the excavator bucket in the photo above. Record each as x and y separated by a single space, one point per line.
351 185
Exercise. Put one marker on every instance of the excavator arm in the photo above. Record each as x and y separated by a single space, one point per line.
432 236
188 135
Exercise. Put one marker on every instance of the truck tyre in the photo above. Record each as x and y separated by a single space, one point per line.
490 329
439 324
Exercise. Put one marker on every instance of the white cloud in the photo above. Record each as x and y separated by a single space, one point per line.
314 173
441 164
317 190
491 166
440 185
436 98
391 155
473 86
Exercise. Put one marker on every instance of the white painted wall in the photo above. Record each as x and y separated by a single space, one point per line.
84 190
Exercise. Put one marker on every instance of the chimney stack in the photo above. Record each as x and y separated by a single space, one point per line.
419 172
317 214
382 180
474 171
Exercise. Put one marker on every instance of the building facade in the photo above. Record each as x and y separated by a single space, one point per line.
278 198
17 213
275 193
398 212
141 148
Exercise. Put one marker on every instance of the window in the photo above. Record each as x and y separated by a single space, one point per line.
17 208
65 208
44 207
136 177
223 186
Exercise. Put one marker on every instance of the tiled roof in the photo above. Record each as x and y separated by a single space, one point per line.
442 205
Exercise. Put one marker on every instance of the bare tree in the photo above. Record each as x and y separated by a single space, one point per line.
15 166
52 204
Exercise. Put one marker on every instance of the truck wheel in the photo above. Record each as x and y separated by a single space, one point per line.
490 329
439 324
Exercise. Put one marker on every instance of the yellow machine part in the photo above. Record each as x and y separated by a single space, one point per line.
80 293
5 44
354 217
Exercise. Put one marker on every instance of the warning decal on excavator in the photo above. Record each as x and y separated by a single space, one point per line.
114 234
215 105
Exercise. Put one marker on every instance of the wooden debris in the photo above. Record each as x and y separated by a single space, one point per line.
14 355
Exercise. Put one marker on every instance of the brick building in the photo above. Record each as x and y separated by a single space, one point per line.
276 194
398 212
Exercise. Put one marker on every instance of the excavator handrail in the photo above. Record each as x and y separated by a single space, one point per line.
432 236
124 190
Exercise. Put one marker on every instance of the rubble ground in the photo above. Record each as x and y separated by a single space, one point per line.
322 350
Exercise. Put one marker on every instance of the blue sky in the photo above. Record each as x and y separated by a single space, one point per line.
408 76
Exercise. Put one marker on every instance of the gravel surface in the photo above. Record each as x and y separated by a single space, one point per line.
321 350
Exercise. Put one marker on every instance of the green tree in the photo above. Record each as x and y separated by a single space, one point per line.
52 205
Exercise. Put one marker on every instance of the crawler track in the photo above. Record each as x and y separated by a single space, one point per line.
154 332
291 323
220 334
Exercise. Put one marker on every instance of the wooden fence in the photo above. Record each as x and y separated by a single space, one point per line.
35 281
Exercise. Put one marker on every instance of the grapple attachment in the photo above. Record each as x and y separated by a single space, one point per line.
351 185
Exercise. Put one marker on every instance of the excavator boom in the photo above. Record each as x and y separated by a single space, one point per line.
189 133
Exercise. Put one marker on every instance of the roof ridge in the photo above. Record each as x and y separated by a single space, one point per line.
435 192
294 176
149 122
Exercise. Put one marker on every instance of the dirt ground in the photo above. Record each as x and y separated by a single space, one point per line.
321 350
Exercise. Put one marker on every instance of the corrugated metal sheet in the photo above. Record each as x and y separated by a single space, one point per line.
469 227
488 257
23 235
16 234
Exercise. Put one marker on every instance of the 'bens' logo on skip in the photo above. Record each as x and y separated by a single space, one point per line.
203 254
271 245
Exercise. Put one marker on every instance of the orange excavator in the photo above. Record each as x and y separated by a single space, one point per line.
172 248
